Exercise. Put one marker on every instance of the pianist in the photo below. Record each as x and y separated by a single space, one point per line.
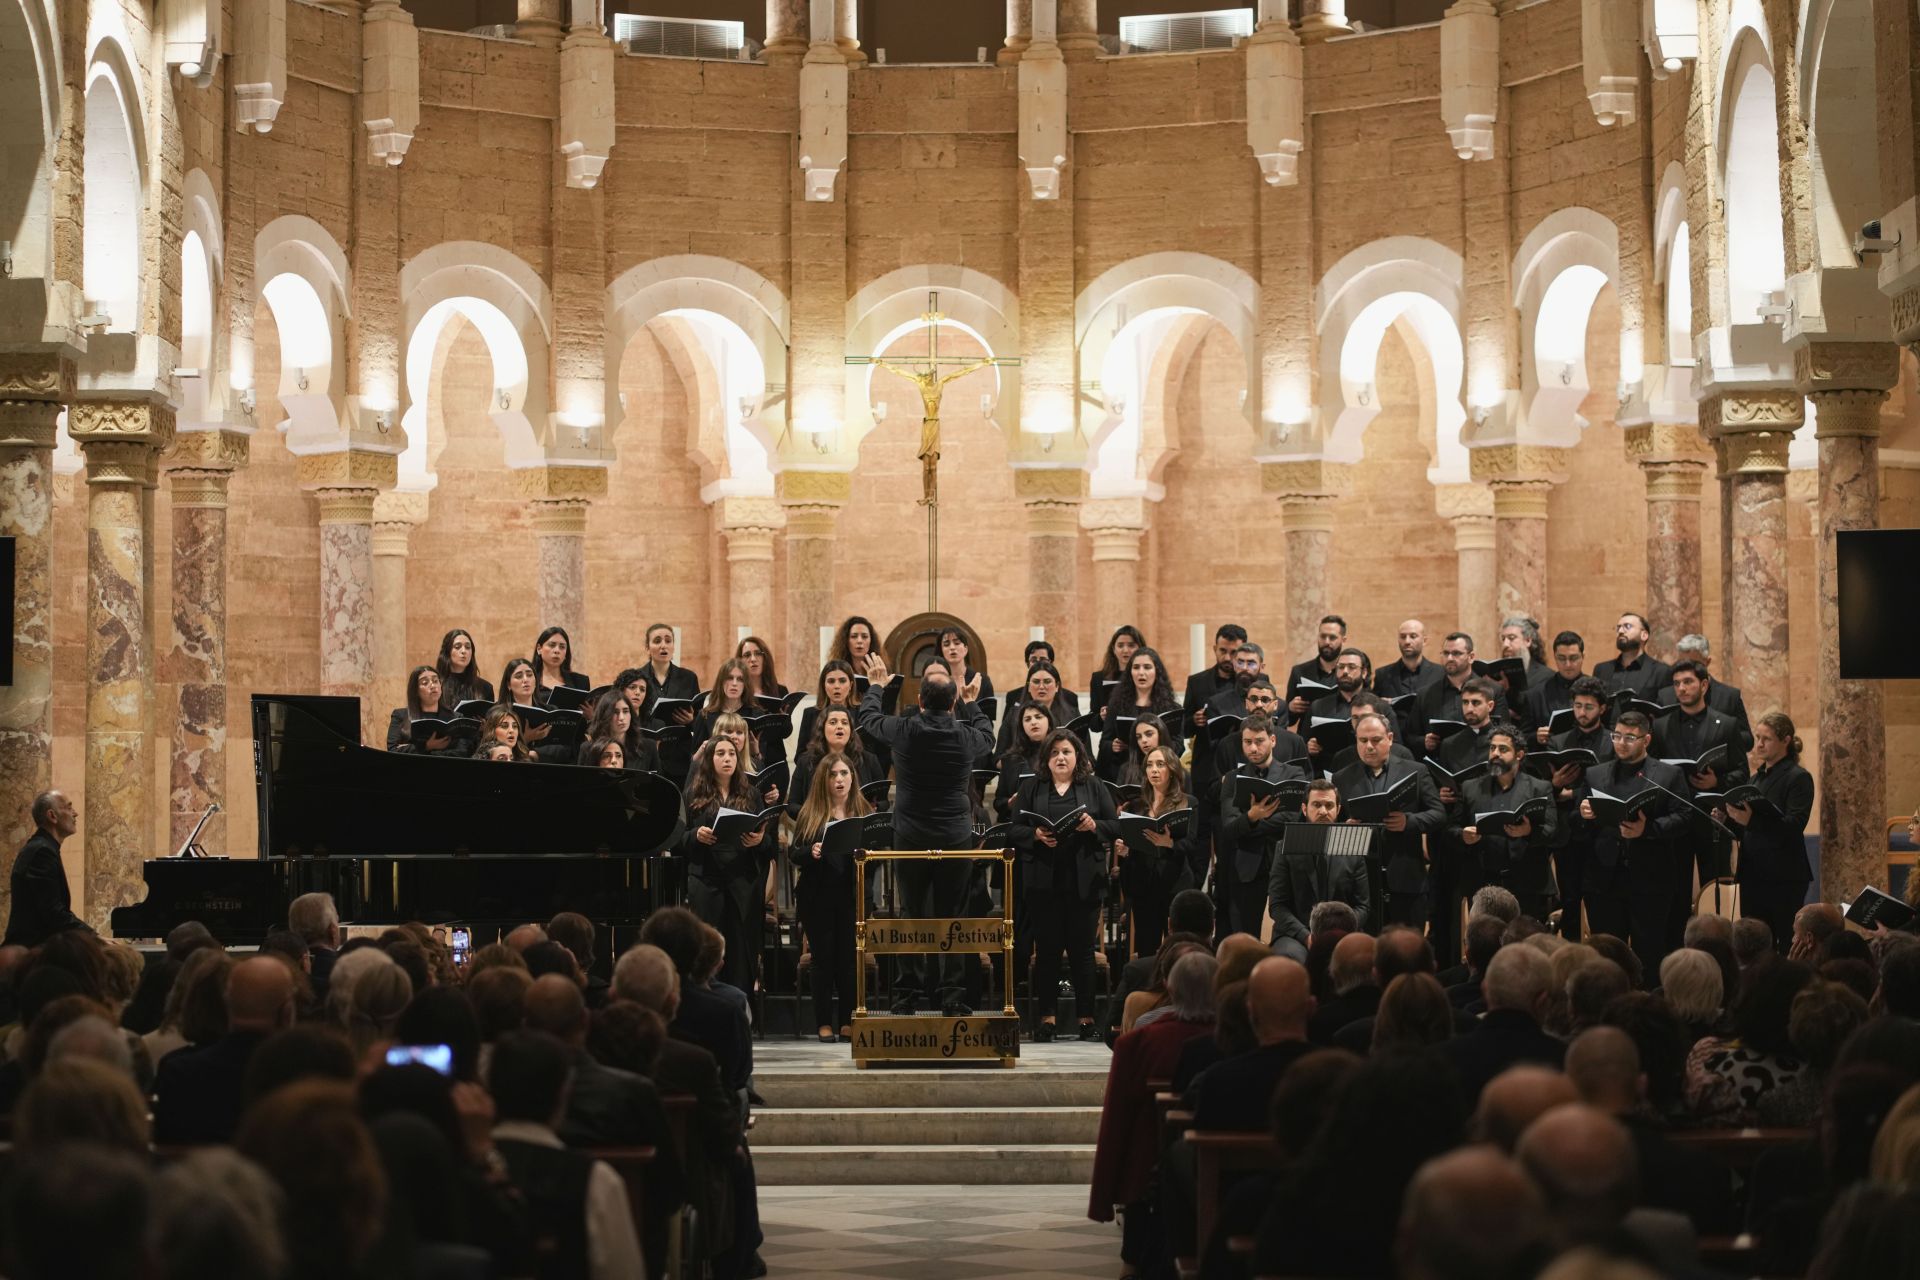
42 906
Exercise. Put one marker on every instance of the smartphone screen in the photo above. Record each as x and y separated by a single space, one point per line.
462 941
437 1056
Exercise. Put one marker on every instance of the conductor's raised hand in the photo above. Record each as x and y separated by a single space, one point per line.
877 669
970 691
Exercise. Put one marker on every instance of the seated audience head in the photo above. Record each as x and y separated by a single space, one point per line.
678 932
1280 1000
84 1101
1853 1109
1352 966
1470 1215
1401 950
520 937
1707 925
1690 980
1584 1162
1414 1013
1604 1068
1518 979
1871 1230
84 1212
1190 987
1232 1023
499 997
495 955
186 938
556 1007
1762 1012
1333 916
315 918
528 1078
93 1037
1751 940
216 1213
310 1138
260 995
444 1015
1661 1040
1484 937
1514 1099
646 975
1857 976
1493 900
1813 925
549 957
1899 992
1306 1093
373 1004
574 932
1896 1151
1593 987
626 1035
304 1051
1617 950
1822 1016
1191 912
1238 954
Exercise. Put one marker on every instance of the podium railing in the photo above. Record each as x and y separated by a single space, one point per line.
967 1038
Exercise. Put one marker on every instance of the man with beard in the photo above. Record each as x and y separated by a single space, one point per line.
1441 699
1214 760
1512 854
1202 685
1249 664
1721 696
1554 692
1246 836
1351 671
1641 850
1301 882
1520 638
1478 698
1693 731
1319 668
1635 668
1579 878
1368 704
1467 747
1412 672
1400 860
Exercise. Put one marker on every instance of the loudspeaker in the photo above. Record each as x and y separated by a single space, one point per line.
6 609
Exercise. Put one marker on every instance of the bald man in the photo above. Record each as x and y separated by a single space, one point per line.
1355 993
1469 1215
1583 1161
197 1091
1516 989
42 905
1237 1093
1516 1098
1411 672
1604 1065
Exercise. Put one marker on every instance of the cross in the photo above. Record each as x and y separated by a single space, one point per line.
925 373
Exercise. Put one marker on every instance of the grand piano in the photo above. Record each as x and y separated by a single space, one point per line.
397 837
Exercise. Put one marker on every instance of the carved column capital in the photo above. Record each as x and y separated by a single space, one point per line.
29 424
813 488
35 375
1521 499
345 506
1772 410
1516 463
1846 413
1472 532
1306 478
1453 501
1846 366
1052 497
116 462
199 487
1753 452
1654 441
207 451
1674 480
347 469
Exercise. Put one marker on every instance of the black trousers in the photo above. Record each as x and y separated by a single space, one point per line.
1569 867
1656 919
931 889
826 913
1063 922
733 905
1408 908
1247 906
1776 902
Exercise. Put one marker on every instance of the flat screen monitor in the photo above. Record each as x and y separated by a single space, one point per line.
1879 590
6 609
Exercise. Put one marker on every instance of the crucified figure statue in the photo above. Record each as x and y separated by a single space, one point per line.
932 386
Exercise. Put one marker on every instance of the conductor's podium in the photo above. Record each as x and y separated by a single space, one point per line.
983 1039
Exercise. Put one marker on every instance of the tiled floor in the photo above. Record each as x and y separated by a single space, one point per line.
781 1053
935 1233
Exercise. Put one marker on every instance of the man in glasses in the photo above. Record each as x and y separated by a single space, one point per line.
1636 860
1573 861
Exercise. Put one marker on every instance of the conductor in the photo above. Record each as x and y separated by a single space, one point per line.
933 753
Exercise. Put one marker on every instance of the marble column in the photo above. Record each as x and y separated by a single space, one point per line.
786 30
1053 557
346 593
811 501
117 818
560 524
1757 598
1853 755
26 516
1723 478
750 526
198 472
1477 587
1520 547
1019 31
1115 526
1673 549
1079 27
1306 522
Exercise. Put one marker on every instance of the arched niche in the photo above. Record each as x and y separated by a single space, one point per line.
29 124
1560 269
301 274
893 306
1838 101
1748 135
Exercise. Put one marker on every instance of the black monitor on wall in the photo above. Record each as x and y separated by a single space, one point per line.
1879 570
6 610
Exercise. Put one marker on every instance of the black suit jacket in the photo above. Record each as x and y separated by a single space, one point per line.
1201 686
197 1091
607 1107
42 903
1401 853
1646 677
1441 701
1725 699
1393 679
1361 1002
1523 864
1300 882
1251 843
1503 1038
932 793
1236 1093
1775 848
713 1130
717 1025
1089 849
1646 857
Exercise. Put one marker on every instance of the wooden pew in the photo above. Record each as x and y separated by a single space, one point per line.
1738 1149
631 1164
1215 1155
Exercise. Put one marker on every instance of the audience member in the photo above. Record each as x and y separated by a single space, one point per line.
308 1051
1354 995
1516 989
1821 1018
1235 1094
1616 949
1751 940
1470 1215
576 933
1726 1075
216 1214
1813 925
1691 982
1514 1099
1593 987
1484 936
444 1015
1660 1038
1414 1015
83 1101
1899 992
317 920
198 1092
705 1017
1583 1162
84 1212
309 1137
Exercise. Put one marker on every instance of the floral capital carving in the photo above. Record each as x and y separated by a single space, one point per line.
560 482
1517 462
1846 366
1305 478
347 469
207 451
1766 409
1654 441
813 488
1050 484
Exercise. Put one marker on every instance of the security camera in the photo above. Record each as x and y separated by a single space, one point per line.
1869 241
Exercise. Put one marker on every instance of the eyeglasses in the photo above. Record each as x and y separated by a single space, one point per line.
1617 736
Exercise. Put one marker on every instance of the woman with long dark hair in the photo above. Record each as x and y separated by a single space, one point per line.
1152 872
954 652
424 700
604 753
502 728
833 734
1042 687
1145 688
1022 762
459 669
1064 876
726 876
553 663
855 639
1773 850
825 892
1149 731
756 659
520 686
1114 663
836 687
613 720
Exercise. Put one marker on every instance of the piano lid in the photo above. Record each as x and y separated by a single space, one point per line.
323 794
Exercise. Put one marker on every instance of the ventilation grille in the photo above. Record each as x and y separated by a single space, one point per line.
681 37
1185 32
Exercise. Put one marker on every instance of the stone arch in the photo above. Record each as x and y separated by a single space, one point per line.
1837 102
739 321
510 306
202 263
891 306
29 125
1558 272
1159 417
1408 280
1673 268
1749 153
114 184
302 276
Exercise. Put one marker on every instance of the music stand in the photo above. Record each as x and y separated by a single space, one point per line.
1335 840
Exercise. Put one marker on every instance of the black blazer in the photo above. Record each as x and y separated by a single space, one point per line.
1089 849
867 767
1441 701
1523 864
1646 677
1066 709
1252 842
42 903
455 690
1152 871
1645 857
1400 851
1393 679
1300 882
727 859
1775 849
400 735
933 795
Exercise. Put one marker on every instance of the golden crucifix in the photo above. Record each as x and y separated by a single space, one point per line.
926 373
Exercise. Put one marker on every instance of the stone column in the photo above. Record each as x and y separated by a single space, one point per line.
1019 31
542 22
122 440
811 500
1052 500
1469 509
395 515
26 515
1323 20
1520 547
1673 457
199 467
1754 428
1115 526
345 485
750 526
1306 521
558 498
846 35
786 30
1847 384
1079 35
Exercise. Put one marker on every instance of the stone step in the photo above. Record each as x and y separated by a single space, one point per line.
924 1126
921 1165
982 1087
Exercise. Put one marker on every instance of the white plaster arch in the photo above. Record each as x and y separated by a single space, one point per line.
114 184
1838 103
29 97
301 274
503 298
748 310
891 306
1673 267
202 264
1749 153
1558 272
1168 282
1408 279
